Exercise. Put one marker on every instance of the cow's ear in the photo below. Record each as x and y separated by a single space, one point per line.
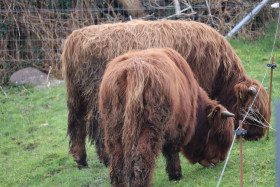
240 90
214 112
224 113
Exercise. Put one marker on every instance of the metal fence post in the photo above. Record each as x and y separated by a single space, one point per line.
247 18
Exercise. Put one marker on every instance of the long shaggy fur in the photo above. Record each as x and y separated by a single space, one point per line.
217 69
150 100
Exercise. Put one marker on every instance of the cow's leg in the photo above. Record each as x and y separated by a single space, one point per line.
144 157
77 125
113 140
100 145
116 164
96 134
173 167
96 131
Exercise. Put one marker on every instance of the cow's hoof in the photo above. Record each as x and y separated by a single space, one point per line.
82 164
175 177
207 164
105 162
252 138
211 165
204 163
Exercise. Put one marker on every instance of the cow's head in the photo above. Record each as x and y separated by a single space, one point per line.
259 115
213 136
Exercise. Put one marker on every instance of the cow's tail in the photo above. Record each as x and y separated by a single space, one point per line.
145 115
133 115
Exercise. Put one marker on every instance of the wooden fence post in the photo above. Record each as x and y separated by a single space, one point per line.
270 90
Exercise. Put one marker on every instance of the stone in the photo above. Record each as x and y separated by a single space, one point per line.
29 76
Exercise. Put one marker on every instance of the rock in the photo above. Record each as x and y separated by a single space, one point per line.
29 76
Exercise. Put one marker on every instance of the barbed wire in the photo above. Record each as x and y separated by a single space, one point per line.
271 54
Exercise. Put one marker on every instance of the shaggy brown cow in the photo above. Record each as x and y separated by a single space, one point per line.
216 66
150 100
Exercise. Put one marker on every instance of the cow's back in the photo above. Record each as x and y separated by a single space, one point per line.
206 51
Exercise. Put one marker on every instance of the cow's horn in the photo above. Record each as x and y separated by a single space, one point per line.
252 90
227 114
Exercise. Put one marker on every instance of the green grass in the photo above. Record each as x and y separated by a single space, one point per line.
34 146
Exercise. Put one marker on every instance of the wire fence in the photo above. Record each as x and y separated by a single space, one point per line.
271 56
32 32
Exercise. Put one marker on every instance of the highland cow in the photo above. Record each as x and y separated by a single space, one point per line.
217 69
150 101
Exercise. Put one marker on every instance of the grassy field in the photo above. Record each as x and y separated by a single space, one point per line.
34 146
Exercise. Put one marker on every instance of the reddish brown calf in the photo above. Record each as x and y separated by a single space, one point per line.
150 101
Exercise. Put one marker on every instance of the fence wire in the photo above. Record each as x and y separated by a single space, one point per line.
271 55
32 32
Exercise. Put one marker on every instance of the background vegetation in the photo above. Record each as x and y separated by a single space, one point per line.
32 31
34 145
